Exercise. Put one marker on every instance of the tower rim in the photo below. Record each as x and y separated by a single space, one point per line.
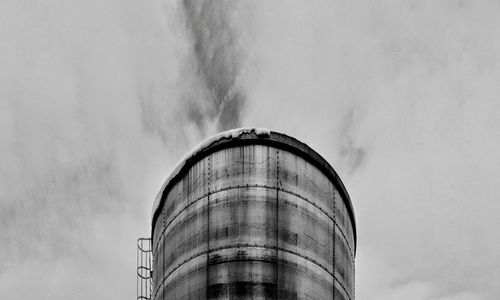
252 136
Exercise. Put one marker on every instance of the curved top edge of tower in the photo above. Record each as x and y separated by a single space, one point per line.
253 136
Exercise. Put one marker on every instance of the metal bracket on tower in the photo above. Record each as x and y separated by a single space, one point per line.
144 269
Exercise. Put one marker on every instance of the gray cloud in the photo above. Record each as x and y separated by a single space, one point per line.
69 172
351 154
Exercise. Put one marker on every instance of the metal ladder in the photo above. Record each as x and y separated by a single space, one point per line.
144 269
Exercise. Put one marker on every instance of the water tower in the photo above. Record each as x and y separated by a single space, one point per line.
253 214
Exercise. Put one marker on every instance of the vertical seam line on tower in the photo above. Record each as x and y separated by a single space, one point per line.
334 238
209 173
277 221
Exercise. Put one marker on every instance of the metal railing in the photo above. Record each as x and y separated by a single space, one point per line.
144 269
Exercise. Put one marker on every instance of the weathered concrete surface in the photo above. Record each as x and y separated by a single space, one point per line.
253 222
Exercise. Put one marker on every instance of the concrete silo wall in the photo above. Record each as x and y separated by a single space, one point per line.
253 221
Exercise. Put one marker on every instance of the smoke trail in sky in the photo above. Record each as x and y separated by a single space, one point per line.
217 61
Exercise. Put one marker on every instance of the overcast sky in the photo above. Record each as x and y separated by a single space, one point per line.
99 99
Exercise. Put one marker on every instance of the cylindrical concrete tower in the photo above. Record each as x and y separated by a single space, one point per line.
253 214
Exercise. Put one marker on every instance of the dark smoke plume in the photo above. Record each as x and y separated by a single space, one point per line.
217 60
